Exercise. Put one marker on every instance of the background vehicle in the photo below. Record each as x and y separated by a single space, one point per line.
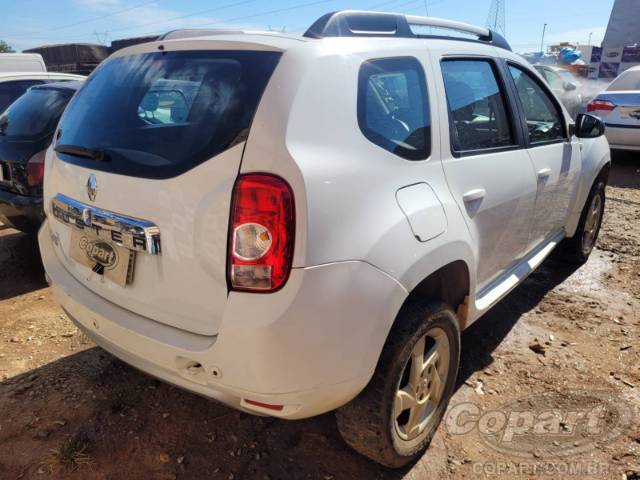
26 130
22 62
565 85
619 106
14 84
290 241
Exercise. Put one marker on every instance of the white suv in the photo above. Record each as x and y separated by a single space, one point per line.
296 224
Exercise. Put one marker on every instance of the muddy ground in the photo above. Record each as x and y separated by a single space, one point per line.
566 339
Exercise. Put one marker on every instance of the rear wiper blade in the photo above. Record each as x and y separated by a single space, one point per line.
77 151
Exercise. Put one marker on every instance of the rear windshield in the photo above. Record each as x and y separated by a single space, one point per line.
626 81
35 114
10 91
157 115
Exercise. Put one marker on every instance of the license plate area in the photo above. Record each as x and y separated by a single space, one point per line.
104 241
114 262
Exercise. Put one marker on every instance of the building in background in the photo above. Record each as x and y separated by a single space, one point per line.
621 45
82 58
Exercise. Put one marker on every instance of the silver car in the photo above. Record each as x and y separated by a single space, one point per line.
564 84
619 106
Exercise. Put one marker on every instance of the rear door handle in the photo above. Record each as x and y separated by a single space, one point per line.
544 173
473 195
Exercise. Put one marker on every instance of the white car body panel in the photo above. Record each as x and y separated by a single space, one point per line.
364 237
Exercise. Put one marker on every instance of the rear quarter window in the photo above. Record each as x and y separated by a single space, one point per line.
393 108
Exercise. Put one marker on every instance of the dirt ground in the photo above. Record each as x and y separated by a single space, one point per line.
70 410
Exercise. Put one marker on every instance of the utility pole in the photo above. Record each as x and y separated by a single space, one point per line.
544 29
426 8
590 34
101 37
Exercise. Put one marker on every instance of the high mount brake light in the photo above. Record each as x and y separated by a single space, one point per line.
261 233
604 105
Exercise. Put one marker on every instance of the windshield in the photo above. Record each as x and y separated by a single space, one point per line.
35 113
157 115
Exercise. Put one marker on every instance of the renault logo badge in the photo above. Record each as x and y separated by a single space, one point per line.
92 187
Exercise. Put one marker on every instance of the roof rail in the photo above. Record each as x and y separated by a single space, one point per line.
196 32
356 23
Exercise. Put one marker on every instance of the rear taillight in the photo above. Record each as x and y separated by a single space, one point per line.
261 233
35 169
603 105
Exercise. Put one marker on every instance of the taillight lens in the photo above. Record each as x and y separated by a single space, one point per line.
261 233
35 169
604 105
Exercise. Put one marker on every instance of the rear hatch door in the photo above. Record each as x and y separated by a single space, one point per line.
155 140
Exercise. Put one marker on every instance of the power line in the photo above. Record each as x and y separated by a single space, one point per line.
222 21
270 12
86 20
209 10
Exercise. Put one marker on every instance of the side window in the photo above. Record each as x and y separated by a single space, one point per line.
477 109
168 101
10 91
544 119
393 109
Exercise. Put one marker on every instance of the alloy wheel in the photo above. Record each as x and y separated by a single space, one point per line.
422 385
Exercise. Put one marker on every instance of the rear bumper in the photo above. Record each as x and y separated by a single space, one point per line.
21 212
623 138
311 347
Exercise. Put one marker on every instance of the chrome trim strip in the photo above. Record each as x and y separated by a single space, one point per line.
133 233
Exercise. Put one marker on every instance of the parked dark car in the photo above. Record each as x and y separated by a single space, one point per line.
26 131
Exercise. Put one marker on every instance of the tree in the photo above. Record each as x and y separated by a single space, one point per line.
5 47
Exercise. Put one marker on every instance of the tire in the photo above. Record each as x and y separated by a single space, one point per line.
579 247
369 423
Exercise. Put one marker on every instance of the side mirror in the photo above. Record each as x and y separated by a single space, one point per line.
570 86
589 126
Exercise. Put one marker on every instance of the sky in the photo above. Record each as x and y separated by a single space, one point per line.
29 23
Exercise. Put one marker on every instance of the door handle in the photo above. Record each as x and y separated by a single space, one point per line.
544 173
473 195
